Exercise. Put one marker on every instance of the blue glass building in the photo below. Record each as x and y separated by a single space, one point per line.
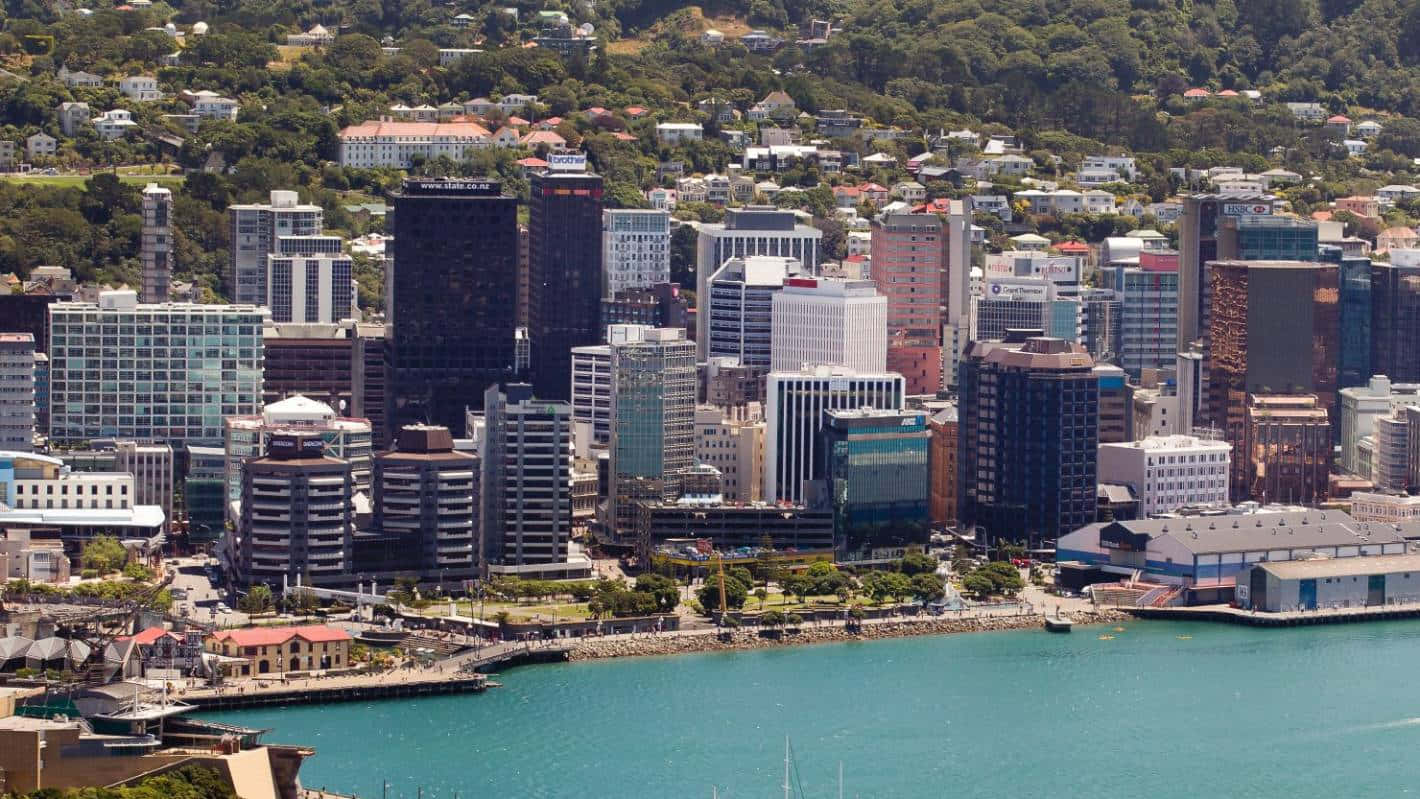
875 472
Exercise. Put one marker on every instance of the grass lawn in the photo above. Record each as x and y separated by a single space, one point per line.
77 181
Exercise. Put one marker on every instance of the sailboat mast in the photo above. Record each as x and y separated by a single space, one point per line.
786 767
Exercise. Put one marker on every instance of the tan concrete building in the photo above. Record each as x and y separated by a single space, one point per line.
732 441
942 467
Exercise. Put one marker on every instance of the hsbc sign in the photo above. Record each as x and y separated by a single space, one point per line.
1247 209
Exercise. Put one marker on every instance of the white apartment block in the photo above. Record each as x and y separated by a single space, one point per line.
673 133
1167 473
591 391
220 108
636 248
828 321
168 371
1384 508
255 232
309 279
735 447
1361 406
794 418
395 144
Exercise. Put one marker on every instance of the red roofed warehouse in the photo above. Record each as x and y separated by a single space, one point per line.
277 650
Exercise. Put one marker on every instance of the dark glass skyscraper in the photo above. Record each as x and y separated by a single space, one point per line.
1354 314
875 468
1028 437
565 275
452 298
1395 322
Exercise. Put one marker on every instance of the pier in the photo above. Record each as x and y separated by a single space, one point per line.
1291 618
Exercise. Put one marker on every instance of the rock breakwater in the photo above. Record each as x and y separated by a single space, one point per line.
752 638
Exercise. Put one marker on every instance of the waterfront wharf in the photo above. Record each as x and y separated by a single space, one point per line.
1290 618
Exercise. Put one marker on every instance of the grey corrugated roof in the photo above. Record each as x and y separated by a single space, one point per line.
1260 531
1343 567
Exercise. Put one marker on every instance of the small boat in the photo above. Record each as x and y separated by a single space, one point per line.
1059 624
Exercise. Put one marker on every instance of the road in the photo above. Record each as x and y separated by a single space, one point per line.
200 604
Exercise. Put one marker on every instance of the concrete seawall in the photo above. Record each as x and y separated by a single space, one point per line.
710 641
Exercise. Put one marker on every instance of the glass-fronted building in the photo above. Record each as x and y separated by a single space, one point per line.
169 371
875 470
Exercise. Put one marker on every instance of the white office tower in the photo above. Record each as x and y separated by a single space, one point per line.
652 418
254 233
308 279
591 391
794 418
636 248
1168 472
156 243
17 392
956 333
752 230
737 321
828 321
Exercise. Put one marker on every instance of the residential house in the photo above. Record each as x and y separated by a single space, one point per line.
1279 177
1368 129
691 190
758 41
463 20
771 136
673 133
712 38
879 160
1196 94
1098 202
1308 112
847 196
317 36
1394 193
545 138
73 116
114 124
837 123
79 79
1167 211
479 106
661 199
998 205
140 88
776 105
1396 238
515 103
717 189
738 140
1354 147
1009 165
718 109
1366 207
212 106
41 144
1339 123
910 191
506 137
7 155
1123 167
1030 242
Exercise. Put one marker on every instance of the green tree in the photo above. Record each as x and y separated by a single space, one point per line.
104 554
258 599
761 594
772 619
916 562
978 585
927 587
735 593
662 588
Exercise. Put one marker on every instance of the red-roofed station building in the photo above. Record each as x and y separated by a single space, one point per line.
277 650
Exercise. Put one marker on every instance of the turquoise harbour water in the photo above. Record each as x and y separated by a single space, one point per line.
1229 712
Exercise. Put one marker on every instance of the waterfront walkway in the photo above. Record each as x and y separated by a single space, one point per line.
1290 618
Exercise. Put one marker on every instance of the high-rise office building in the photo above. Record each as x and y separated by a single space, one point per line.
1037 303
1274 331
342 365
1148 304
310 279
738 311
156 243
1395 321
794 420
1114 405
565 274
169 372
1286 451
254 231
956 333
636 248
591 390
1219 227
726 383
1028 425
1353 350
17 392
942 466
151 465
426 497
526 518
652 418
451 298
660 305
297 515
828 321
875 469
909 257
204 494
752 230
